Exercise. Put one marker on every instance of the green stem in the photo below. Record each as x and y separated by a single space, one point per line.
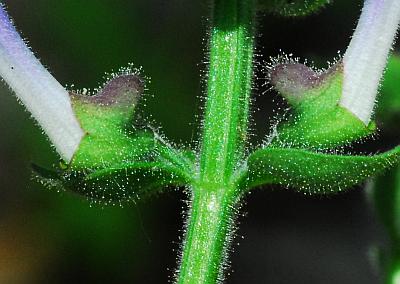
228 91
207 238
215 196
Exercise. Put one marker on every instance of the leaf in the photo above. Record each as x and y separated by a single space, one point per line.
314 173
127 182
120 183
118 161
292 8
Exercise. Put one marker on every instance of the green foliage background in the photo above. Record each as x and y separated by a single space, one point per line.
47 237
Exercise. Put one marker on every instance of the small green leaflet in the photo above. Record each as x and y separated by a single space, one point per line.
116 160
119 183
313 173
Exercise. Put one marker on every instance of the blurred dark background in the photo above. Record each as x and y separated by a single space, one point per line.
284 237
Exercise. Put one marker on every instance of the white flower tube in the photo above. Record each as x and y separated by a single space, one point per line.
365 58
46 99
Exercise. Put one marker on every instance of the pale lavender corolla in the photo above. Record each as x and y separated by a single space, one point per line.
366 56
44 97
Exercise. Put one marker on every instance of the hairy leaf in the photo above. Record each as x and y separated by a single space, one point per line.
122 182
118 161
293 8
314 173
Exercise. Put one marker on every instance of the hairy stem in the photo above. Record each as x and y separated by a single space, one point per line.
229 89
215 196
208 236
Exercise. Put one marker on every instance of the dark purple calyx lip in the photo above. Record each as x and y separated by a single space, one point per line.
293 80
121 91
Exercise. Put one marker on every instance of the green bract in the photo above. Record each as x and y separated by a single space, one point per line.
292 7
292 157
117 184
314 173
116 160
